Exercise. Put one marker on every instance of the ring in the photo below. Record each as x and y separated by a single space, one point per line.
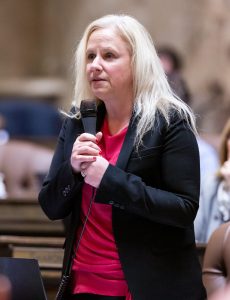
83 174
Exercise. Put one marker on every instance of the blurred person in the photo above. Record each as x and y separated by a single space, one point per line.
209 161
5 288
132 190
215 197
222 294
216 260
4 138
172 65
4 134
23 166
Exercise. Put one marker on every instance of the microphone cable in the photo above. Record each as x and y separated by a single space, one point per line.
66 276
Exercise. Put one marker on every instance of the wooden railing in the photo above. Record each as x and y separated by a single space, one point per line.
25 217
26 232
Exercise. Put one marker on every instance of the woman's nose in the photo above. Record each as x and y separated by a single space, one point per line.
96 64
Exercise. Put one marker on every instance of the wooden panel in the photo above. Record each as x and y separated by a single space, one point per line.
47 250
48 258
32 241
27 218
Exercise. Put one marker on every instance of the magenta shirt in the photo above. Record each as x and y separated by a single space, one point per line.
97 268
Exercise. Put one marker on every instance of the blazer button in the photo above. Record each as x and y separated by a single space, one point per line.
64 193
117 205
122 207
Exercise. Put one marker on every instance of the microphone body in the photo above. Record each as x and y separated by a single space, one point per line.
88 109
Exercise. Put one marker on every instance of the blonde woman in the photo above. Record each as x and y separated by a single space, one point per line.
136 182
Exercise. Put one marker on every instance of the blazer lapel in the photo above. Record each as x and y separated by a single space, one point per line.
127 146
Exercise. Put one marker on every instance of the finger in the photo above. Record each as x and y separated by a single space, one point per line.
226 165
86 148
83 158
87 137
78 144
99 136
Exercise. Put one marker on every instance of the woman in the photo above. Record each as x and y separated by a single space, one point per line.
136 181
215 198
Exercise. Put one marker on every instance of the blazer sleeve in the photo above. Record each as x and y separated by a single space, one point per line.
61 185
175 200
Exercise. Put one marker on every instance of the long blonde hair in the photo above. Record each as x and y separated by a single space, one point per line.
152 92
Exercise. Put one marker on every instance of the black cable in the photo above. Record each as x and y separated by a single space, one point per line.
85 222
66 277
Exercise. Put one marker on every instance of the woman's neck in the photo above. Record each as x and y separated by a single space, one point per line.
118 117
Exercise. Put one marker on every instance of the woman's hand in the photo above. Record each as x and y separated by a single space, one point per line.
94 171
85 150
225 172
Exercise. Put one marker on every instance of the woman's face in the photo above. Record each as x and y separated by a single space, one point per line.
108 65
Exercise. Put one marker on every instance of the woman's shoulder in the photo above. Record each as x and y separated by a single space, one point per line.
174 118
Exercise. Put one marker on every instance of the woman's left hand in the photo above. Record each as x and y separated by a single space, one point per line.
225 172
94 171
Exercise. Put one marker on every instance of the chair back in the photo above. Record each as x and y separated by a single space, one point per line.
216 265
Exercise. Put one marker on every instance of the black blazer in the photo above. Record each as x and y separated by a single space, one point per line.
154 193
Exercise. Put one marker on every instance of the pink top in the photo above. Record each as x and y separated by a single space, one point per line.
97 268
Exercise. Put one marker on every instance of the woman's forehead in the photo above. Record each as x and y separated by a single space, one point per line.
106 36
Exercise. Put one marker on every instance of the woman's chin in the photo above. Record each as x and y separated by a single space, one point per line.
100 94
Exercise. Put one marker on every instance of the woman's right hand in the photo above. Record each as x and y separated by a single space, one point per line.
85 149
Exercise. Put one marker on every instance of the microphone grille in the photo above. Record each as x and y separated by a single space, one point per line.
88 108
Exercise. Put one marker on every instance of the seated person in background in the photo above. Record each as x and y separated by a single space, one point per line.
172 65
216 262
5 288
215 195
22 163
209 161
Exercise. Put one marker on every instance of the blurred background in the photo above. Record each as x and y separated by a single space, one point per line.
37 43
38 39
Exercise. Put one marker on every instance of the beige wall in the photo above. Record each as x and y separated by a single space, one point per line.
38 38
20 35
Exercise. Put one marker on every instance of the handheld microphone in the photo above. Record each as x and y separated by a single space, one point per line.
88 110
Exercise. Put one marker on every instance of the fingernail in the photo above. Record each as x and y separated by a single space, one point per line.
94 157
100 152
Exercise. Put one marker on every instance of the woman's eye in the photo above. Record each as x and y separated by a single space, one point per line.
109 55
90 56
